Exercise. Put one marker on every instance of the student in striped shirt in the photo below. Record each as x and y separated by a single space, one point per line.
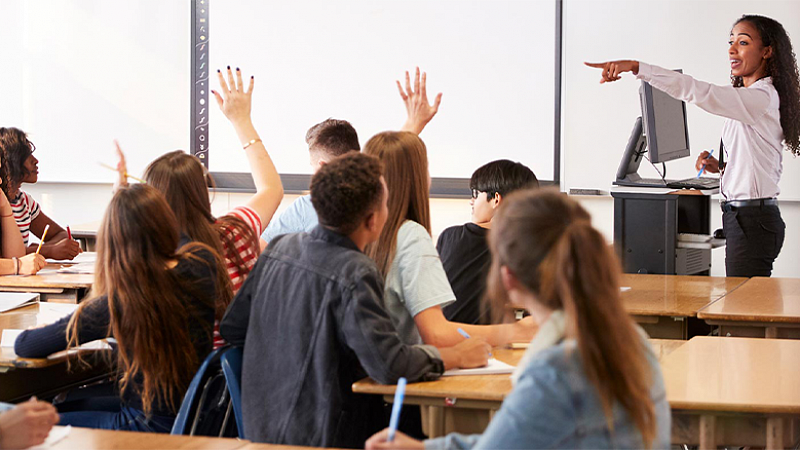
182 179
20 166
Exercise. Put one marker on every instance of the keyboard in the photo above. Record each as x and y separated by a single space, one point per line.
695 183
689 183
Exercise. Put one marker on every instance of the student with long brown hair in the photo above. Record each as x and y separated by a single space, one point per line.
182 179
589 379
416 283
156 301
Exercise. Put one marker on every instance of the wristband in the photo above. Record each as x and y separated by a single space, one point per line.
16 265
252 141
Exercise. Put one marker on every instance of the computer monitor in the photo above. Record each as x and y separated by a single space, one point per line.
664 124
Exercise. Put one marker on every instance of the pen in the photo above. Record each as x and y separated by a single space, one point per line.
126 173
399 393
46 227
69 233
703 169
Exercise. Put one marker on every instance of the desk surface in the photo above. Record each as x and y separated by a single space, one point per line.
20 319
739 375
759 300
674 295
48 279
479 387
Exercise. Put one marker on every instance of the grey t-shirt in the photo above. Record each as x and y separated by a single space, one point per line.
416 281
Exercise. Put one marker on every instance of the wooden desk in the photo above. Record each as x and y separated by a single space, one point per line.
466 404
762 307
86 233
21 377
734 392
663 304
53 287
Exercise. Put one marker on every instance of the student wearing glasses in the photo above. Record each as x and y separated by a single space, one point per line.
464 249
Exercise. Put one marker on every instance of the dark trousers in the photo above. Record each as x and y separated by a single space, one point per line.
754 237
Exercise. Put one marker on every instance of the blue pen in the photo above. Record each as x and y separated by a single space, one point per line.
399 393
703 169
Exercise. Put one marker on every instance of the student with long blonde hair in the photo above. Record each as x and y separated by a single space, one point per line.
589 379
182 179
156 300
416 283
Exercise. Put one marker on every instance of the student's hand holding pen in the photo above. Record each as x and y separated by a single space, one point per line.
122 168
31 263
613 69
64 249
420 112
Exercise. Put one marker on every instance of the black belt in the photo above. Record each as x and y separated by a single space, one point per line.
735 204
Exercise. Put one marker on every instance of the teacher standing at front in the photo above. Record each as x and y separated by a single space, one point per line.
763 111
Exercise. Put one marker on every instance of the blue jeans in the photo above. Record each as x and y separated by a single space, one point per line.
110 414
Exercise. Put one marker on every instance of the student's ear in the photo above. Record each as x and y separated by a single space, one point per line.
371 222
509 279
768 52
497 200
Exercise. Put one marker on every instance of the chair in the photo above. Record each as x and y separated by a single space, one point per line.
206 407
232 368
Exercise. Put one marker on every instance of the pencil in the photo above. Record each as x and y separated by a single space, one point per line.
46 227
126 173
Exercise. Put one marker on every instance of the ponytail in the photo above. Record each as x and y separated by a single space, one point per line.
548 242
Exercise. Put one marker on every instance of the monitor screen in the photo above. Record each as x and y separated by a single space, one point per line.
664 125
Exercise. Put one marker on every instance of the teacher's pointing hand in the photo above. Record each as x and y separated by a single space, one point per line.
613 69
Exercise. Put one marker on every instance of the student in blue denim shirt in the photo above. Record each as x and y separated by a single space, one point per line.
589 378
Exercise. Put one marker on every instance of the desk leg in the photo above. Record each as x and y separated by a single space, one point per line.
771 333
708 439
775 433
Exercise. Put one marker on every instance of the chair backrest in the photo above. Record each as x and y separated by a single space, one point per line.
206 405
232 368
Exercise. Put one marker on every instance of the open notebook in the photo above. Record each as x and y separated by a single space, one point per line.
14 300
494 367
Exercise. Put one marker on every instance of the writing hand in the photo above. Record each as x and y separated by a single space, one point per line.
711 163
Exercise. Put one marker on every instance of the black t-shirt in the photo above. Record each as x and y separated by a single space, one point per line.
466 259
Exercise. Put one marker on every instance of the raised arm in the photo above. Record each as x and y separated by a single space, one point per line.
742 104
235 102
420 112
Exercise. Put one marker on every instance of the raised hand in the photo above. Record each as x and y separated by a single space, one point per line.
122 167
420 112
233 100
613 69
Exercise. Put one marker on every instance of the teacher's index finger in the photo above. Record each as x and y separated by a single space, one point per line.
596 65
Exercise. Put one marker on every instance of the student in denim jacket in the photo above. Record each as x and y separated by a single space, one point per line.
589 378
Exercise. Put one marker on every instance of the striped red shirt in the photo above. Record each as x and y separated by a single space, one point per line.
244 249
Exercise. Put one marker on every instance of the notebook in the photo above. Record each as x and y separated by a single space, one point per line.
494 367
14 300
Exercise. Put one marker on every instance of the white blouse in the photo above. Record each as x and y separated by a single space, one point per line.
752 137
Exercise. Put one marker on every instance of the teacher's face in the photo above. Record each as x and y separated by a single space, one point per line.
746 52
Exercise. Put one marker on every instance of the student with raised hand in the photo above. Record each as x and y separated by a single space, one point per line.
464 249
311 319
20 166
26 424
13 260
416 284
155 299
589 379
182 179
762 108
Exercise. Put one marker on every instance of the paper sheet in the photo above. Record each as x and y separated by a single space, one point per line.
87 268
494 367
14 300
9 337
85 257
56 434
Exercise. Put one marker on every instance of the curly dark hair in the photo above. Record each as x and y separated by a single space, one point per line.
782 67
346 190
15 148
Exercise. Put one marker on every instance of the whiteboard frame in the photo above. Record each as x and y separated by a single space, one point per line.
299 183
